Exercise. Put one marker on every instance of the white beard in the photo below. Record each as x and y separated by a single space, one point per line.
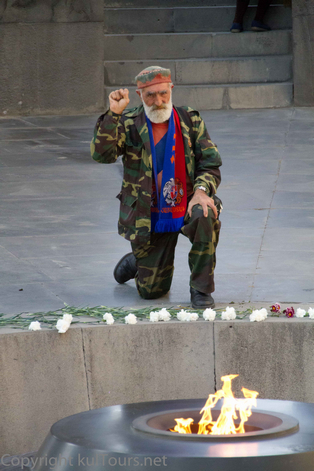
158 115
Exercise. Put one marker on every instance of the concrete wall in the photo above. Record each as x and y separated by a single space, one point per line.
45 376
303 51
51 56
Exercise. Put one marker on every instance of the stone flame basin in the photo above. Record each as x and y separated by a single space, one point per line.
279 437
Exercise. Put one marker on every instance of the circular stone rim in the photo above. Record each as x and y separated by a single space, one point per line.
289 426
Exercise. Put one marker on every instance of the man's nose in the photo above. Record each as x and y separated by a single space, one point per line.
158 100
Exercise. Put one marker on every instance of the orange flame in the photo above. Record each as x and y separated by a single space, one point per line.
225 424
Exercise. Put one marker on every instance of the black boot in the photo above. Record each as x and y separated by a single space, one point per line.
125 269
201 300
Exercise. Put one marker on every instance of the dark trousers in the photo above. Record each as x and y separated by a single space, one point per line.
155 260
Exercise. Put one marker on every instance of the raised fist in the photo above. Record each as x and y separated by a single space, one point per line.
119 100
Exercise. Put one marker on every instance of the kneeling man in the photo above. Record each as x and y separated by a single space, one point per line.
171 174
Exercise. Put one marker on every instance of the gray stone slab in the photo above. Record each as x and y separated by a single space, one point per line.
233 262
61 11
9 134
177 19
292 199
166 3
247 167
303 126
303 39
80 121
261 96
148 347
66 189
58 216
302 183
299 137
295 151
28 297
303 113
119 21
75 267
297 167
236 238
290 240
281 262
286 288
13 270
220 18
13 123
40 384
272 357
38 247
209 71
233 287
234 70
267 118
196 45
239 196
49 85
85 172
283 218
244 219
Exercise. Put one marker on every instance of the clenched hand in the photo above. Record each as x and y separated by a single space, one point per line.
119 100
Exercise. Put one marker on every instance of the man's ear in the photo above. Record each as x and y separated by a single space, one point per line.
138 92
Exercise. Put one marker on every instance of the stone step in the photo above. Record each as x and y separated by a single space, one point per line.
207 71
184 19
173 3
216 97
196 45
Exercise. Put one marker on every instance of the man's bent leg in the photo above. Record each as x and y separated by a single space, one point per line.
155 265
204 235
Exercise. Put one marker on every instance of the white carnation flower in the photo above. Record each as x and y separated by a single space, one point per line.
193 316
108 317
182 315
35 325
300 312
209 314
185 316
68 318
229 314
263 311
311 312
164 315
130 319
258 315
64 323
154 316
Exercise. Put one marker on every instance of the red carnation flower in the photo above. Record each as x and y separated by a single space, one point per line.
289 312
275 307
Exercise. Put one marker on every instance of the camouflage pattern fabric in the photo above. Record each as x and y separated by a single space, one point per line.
127 135
155 260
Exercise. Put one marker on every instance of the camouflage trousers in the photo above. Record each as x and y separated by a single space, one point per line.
155 260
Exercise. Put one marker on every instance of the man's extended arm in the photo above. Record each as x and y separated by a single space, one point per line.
206 172
109 134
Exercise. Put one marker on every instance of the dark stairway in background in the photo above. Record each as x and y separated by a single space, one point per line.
211 67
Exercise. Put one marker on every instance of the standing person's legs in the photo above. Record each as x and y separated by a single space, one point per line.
203 233
257 23
155 265
240 10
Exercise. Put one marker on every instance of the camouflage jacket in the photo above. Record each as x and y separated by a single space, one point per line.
127 135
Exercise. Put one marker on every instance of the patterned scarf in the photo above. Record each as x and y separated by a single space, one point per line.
169 207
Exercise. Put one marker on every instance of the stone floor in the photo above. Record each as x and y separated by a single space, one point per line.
58 218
